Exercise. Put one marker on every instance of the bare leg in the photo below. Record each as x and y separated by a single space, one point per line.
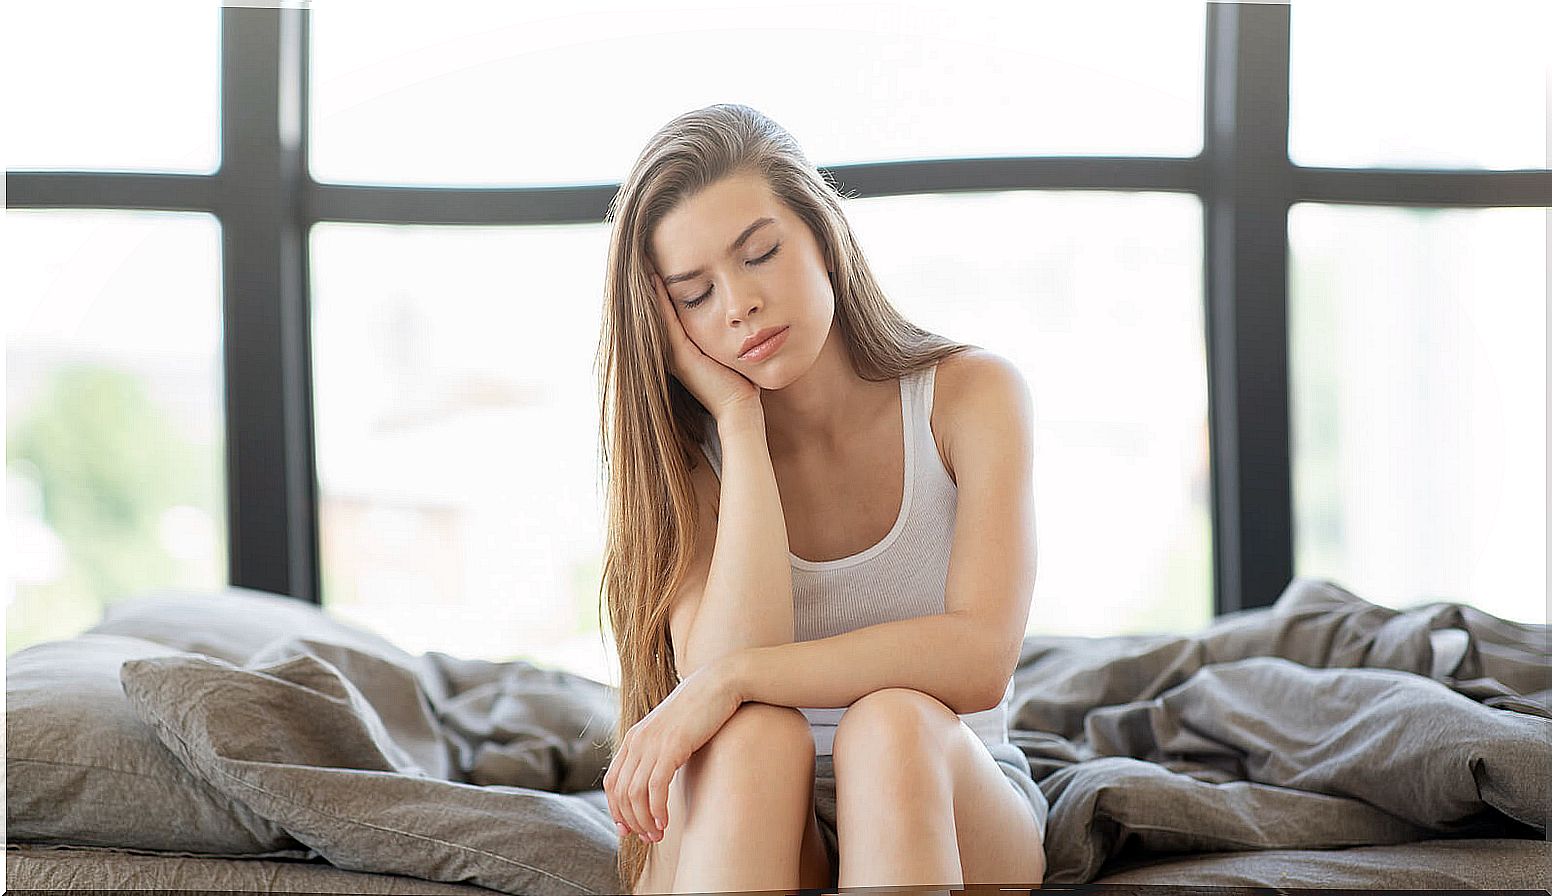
895 757
902 832
748 797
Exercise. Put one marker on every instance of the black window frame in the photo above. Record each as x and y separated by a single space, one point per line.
267 202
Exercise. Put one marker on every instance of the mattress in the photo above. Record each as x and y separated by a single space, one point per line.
1434 864
38 867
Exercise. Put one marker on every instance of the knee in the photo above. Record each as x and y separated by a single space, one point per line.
896 719
761 737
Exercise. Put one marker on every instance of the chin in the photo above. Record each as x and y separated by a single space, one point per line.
773 378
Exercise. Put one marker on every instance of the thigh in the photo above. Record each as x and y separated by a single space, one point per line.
816 865
999 830
1015 765
657 875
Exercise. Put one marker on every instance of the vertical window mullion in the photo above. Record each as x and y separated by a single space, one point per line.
1246 149
271 479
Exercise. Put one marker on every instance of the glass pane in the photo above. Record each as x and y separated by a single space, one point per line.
468 96
1098 298
113 86
443 343
1402 84
115 444
1418 354
457 433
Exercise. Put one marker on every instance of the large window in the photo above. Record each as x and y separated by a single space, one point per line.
1111 198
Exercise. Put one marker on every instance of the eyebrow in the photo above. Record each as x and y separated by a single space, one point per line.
691 275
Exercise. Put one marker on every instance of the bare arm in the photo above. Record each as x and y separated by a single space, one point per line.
965 655
747 598
941 654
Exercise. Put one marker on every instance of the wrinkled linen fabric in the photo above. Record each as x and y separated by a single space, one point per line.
341 748
1317 723
1312 724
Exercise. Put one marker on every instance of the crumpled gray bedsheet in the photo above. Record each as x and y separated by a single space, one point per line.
1320 722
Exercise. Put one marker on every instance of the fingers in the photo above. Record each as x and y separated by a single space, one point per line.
616 783
625 799
657 793
649 798
638 798
667 304
679 343
665 307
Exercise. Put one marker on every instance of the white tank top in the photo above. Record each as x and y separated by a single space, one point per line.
903 576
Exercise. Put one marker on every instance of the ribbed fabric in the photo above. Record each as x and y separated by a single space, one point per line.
903 576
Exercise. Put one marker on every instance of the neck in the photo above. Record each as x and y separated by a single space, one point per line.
822 409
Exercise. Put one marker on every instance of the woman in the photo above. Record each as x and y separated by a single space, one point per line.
846 581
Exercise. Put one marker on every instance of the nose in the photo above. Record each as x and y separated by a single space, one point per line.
741 306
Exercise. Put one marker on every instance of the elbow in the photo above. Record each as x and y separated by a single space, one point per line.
994 690
985 698
981 695
986 690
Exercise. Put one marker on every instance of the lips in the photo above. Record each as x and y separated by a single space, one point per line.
758 338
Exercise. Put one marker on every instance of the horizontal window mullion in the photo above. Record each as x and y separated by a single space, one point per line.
588 203
109 190
1423 187
582 204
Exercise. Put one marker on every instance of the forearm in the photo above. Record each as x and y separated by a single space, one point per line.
748 595
940 655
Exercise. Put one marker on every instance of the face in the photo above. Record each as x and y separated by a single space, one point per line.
776 277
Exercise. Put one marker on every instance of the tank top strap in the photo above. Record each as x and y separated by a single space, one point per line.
922 384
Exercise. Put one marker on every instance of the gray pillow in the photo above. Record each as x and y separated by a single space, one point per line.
301 741
81 767
233 623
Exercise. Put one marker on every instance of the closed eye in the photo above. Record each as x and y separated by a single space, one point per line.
761 260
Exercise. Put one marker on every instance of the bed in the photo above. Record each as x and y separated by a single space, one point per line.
245 741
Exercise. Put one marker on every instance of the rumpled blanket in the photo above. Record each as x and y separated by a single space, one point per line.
1323 721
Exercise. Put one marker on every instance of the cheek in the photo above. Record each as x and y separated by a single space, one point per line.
692 329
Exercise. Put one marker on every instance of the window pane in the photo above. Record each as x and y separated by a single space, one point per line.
442 343
113 86
1397 83
1418 354
457 434
115 448
1098 298
470 95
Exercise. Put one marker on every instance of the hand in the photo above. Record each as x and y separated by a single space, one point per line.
718 387
663 740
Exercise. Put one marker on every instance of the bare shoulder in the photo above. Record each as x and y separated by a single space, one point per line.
972 392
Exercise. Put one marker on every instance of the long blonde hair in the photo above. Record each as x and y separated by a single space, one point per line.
649 424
